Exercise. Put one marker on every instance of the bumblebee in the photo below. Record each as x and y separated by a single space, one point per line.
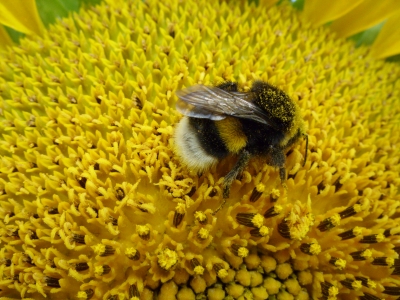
221 120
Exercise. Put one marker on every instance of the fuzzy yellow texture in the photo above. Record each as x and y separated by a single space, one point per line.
231 133
87 117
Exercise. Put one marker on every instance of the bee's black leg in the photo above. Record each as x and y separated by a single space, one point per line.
278 160
242 162
282 173
237 169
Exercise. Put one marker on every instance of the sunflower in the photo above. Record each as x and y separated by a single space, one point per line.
94 203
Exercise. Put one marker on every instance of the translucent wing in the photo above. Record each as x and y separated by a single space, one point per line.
191 110
213 103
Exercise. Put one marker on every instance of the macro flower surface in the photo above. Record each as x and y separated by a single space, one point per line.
95 204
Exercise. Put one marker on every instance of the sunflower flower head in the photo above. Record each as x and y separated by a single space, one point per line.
94 204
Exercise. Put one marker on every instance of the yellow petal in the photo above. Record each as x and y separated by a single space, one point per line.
320 12
364 16
21 15
5 39
388 41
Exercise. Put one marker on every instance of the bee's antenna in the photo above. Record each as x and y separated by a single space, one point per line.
305 156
